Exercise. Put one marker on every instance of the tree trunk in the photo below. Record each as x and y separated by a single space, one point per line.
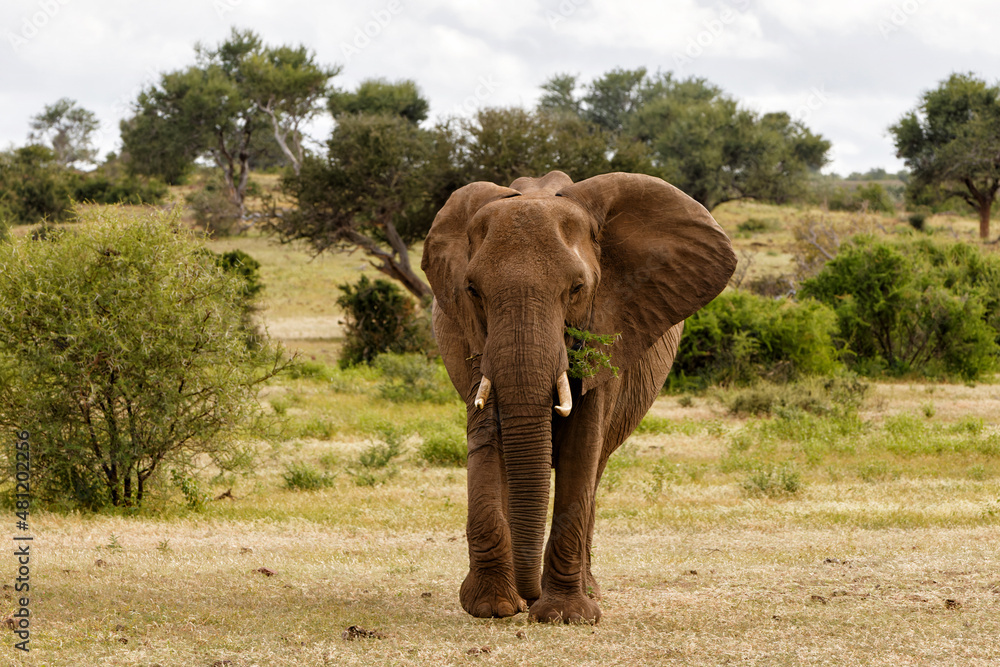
984 219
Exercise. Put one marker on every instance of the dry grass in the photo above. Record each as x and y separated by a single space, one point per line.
847 571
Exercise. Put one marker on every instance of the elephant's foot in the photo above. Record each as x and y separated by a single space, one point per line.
487 594
592 589
575 608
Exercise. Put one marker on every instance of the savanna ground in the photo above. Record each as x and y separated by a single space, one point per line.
849 527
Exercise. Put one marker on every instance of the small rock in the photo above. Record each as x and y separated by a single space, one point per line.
99 563
266 571
246 550
818 598
425 595
9 623
123 640
952 604
476 651
520 634
832 561
694 572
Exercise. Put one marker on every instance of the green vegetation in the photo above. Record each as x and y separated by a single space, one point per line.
951 143
379 318
300 476
913 307
118 353
741 337
585 359
413 377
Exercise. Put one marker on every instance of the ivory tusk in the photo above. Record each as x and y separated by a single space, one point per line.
484 393
565 398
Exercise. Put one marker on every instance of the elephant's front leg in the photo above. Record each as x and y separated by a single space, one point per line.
566 574
489 589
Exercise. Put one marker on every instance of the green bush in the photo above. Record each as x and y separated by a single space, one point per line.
120 353
247 269
915 307
214 210
34 187
300 476
741 337
379 318
444 447
842 394
100 189
772 481
872 196
413 377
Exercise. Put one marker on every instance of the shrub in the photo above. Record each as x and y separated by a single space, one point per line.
756 225
772 481
837 394
914 307
33 186
214 210
413 377
100 189
120 352
741 337
379 318
301 476
247 269
374 464
444 447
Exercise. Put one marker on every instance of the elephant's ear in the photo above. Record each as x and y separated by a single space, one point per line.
446 249
663 257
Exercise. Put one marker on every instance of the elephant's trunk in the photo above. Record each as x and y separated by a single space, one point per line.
524 370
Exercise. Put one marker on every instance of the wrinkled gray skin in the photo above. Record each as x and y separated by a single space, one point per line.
511 268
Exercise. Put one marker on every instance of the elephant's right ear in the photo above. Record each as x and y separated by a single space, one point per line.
446 249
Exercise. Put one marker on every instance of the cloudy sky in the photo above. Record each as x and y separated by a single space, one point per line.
847 68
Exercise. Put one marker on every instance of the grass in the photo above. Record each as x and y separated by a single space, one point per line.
796 532
798 538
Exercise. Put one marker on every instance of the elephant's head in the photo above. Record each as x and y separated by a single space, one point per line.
511 267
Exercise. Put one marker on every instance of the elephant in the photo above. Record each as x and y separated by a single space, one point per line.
622 255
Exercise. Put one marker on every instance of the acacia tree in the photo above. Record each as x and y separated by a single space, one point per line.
951 144
67 129
289 87
692 134
380 184
218 108
501 144
121 351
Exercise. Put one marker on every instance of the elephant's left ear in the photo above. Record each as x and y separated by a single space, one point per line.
663 257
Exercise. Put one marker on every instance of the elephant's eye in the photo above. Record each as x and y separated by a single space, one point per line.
576 288
472 291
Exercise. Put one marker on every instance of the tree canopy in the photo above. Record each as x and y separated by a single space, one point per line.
217 108
951 144
692 134
67 129
379 185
